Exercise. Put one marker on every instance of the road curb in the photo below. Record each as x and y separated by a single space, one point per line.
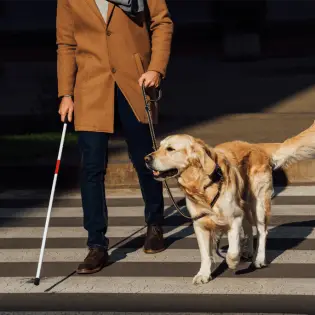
121 174
124 175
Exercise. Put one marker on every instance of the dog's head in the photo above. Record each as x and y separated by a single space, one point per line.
175 154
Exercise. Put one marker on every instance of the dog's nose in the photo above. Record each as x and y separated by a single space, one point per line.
148 158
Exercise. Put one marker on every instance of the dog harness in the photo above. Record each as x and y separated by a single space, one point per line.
215 177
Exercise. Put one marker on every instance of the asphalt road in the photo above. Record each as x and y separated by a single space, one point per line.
136 282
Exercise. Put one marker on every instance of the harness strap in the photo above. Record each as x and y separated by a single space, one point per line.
216 176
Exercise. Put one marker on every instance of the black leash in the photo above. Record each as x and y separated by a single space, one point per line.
148 110
218 176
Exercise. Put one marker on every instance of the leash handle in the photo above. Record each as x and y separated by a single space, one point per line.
147 104
158 89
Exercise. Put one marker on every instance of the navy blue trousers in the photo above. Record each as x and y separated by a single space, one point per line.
93 147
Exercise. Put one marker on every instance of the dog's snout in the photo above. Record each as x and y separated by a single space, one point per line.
148 158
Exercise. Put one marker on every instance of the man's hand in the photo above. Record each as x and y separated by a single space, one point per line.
66 108
150 79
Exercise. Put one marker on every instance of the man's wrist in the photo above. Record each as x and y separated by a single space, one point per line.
157 72
66 95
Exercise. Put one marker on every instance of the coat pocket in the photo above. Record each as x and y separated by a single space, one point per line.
139 64
83 62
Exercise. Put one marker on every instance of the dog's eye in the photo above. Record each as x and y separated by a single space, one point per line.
169 149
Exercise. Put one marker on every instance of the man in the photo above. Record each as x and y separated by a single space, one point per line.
106 50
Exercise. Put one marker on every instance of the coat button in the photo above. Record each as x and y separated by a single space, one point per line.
108 33
113 70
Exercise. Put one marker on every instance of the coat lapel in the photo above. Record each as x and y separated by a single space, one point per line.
95 9
109 12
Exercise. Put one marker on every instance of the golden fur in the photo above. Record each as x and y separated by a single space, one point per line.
245 196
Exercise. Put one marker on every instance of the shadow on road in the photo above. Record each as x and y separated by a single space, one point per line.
172 221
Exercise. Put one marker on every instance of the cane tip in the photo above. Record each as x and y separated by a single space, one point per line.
36 281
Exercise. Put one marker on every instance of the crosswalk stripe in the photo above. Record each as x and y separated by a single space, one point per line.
135 202
184 286
135 211
299 190
295 190
162 285
137 255
113 194
170 231
71 212
66 232
111 202
291 210
171 219
174 220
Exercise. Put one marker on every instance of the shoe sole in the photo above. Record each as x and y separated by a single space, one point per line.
88 272
151 251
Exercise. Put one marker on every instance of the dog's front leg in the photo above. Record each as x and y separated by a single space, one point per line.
233 254
203 239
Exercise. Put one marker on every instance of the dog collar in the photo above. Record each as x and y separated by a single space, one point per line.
215 177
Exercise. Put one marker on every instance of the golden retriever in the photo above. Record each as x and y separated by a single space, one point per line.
228 189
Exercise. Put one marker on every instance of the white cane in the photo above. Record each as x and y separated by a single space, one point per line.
41 255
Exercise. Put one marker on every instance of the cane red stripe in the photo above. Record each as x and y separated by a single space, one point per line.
57 167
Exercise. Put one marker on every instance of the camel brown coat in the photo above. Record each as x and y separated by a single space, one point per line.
93 55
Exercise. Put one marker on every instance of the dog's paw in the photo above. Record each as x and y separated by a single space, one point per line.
201 278
260 263
232 260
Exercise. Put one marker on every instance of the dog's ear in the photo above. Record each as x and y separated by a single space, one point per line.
202 154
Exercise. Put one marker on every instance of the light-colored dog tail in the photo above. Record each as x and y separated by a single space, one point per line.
295 149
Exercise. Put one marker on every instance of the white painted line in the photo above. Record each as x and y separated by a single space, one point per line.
137 211
183 285
63 232
136 193
44 194
162 285
24 285
133 255
72 212
295 191
126 231
293 210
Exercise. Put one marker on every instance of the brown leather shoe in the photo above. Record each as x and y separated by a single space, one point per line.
154 242
94 261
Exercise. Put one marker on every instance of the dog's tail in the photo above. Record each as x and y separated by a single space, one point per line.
298 148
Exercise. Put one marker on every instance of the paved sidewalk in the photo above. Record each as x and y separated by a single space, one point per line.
260 127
